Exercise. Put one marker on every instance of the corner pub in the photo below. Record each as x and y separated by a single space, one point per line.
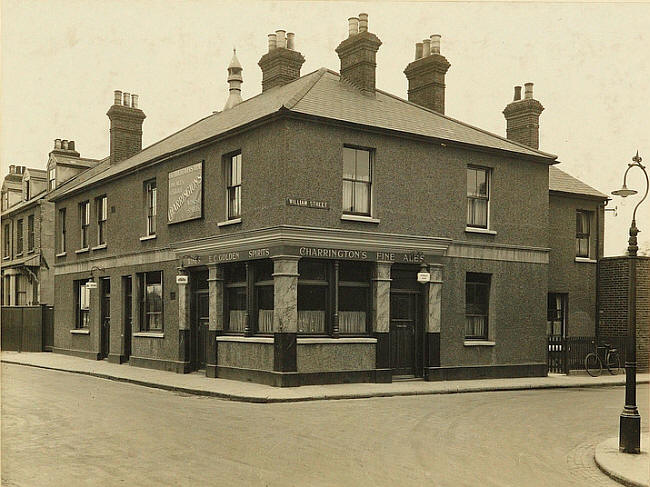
322 231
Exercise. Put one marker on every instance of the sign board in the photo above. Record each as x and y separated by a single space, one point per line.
423 277
91 285
182 279
185 198
307 203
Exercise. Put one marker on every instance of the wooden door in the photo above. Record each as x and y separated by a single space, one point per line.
403 321
200 321
128 316
105 323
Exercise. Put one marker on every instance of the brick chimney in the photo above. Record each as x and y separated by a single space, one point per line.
282 63
426 75
522 117
126 126
358 55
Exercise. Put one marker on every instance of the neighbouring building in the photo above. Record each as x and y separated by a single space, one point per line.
322 231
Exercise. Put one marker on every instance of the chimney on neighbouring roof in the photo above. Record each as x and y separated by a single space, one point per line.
234 80
281 64
358 55
64 147
522 117
426 75
126 126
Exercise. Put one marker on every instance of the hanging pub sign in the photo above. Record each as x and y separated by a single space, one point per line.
185 199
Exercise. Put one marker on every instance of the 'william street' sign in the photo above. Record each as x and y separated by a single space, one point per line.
185 198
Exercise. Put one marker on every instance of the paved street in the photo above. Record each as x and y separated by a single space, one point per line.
67 429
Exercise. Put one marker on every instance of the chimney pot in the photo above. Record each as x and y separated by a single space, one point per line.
272 42
127 99
353 26
71 145
64 144
363 23
291 38
517 93
281 40
418 50
57 143
118 97
426 47
134 101
12 169
435 44
528 90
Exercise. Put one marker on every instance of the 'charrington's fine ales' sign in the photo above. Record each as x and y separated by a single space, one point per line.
185 194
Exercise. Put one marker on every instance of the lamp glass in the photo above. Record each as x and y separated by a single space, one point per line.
624 192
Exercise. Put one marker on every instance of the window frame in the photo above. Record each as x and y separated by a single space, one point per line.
101 212
354 181
84 224
151 206
231 186
30 233
19 236
62 231
145 325
82 314
7 240
486 198
582 235
51 178
477 280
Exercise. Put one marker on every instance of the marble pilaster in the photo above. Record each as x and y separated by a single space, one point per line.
136 302
215 299
381 298
183 304
285 294
435 298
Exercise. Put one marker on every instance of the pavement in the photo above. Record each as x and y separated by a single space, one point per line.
630 470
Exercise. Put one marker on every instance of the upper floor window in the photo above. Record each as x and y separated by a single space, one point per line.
83 303
478 196
5 200
357 181
19 236
233 186
102 216
583 229
27 190
30 232
51 178
151 201
151 318
84 220
7 240
477 305
62 231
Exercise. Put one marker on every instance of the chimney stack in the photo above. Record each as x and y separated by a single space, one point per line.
282 63
126 126
234 80
522 117
426 75
358 55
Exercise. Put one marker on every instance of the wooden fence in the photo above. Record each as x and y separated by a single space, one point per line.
568 353
27 328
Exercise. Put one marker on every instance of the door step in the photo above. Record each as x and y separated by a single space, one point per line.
407 378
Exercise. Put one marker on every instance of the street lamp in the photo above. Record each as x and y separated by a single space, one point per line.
630 424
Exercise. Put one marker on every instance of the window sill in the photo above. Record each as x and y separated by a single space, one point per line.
99 247
149 334
62 254
80 331
359 218
234 221
147 237
484 231
30 251
479 343
242 339
18 255
82 251
332 341
586 259
6 257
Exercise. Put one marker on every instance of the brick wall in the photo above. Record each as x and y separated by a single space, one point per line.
613 301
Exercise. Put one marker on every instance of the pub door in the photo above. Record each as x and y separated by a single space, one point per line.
105 323
403 335
127 286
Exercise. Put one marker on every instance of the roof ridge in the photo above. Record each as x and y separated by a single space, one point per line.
301 93
505 139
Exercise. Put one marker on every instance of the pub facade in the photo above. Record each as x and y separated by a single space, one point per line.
322 231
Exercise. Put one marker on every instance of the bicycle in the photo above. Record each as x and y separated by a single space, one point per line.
594 364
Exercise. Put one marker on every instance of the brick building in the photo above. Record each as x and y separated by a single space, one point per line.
321 231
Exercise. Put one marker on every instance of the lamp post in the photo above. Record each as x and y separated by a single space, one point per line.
630 420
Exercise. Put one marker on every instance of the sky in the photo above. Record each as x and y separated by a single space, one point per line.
589 62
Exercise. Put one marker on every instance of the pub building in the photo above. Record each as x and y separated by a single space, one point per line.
322 231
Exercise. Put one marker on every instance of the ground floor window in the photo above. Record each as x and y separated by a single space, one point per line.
313 291
83 303
235 297
152 305
354 297
556 314
21 290
477 304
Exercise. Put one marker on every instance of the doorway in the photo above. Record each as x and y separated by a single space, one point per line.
127 285
200 316
105 317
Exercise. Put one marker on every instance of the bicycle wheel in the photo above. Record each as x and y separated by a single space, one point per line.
613 363
593 365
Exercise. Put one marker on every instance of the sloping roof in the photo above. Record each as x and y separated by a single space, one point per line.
80 178
562 182
73 161
23 204
36 173
321 94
